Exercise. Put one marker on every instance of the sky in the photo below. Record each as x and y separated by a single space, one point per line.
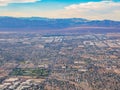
88 9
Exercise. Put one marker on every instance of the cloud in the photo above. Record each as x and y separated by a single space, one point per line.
93 10
106 9
6 2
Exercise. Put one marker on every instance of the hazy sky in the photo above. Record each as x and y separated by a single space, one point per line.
89 9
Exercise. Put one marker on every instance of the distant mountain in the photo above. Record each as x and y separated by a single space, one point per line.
37 23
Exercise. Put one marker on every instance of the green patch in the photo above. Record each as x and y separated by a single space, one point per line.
30 72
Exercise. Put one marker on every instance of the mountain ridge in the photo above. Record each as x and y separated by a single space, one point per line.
39 23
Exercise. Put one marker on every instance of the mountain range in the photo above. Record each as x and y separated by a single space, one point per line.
42 24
